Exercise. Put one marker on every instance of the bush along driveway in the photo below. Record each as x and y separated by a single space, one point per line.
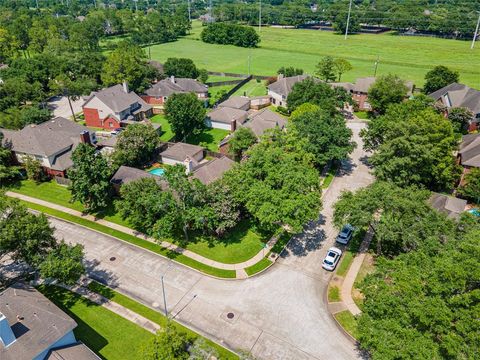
259 262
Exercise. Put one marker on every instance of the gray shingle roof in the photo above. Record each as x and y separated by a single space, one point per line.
470 150
167 87
78 351
181 151
460 96
44 139
449 205
227 115
27 309
236 102
264 119
362 85
213 170
116 98
126 174
284 85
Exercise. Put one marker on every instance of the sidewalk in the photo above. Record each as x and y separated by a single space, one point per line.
239 267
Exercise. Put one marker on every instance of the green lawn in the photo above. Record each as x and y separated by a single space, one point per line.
215 78
214 90
123 341
153 315
348 322
167 133
208 138
409 57
347 259
361 114
334 294
252 88
261 265
135 241
329 177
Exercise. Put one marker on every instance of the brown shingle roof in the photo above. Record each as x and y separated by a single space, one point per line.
181 151
126 174
213 170
78 351
284 85
236 102
227 115
470 150
460 96
117 99
27 309
167 87
449 205
264 119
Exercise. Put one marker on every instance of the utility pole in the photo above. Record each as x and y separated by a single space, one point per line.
476 32
210 10
37 3
348 19
376 66
163 290
260 17
189 11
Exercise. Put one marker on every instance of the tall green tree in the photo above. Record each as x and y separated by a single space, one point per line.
439 77
136 145
326 69
471 187
90 175
8 171
185 113
168 344
327 136
240 141
386 90
181 67
461 118
289 71
341 66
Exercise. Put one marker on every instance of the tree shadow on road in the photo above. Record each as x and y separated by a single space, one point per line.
346 168
103 276
309 240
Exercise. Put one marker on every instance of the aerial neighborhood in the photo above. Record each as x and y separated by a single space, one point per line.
236 180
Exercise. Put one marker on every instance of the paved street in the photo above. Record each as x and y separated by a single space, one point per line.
280 314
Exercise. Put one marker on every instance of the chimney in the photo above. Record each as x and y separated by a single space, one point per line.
125 87
188 165
6 334
233 125
85 137
172 79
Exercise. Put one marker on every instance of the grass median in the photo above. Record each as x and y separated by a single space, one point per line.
134 240
261 265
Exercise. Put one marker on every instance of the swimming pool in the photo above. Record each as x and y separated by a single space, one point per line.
475 212
157 171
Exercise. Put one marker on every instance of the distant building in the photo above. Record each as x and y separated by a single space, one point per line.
359 90
51 143
32 327
114 107
458 95
280 89
158 94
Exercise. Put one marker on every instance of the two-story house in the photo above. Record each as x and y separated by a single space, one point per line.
114 107
51 143
280 89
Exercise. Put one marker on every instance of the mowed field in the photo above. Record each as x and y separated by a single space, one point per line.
409 57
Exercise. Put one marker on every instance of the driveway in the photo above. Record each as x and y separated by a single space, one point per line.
59 106
280 314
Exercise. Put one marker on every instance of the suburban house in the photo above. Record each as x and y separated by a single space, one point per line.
32 327
236 102
182 153
359 90
264 119
469 152
213 170
458 95
226 118
51 143
126 174
280 89
449 205
158 94
114 107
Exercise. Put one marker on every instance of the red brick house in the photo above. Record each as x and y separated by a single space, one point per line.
51 143
458 95
114 107
158 94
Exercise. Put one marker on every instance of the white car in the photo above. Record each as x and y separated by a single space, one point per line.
332 258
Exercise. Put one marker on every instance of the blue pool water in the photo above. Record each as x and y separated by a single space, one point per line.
475 212
157 171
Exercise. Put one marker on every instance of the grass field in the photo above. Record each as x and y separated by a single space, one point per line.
123 341
167 133
409 57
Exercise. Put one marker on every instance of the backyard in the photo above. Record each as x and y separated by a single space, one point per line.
410 57
252 88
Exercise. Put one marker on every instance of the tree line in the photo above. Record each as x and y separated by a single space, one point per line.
230 34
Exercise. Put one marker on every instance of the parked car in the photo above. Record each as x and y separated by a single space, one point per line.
332 258
116 131
345 235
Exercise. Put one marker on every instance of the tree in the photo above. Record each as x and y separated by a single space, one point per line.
439 77
240 141
200 350
340 22
326 69
224 33
28 238
461 119
203 75
34 169
341 66
181 68
90 175
471 187
277 183
8 172
143 202
327 136
386 90
418 151
225 213
136 145
168 344
185 113
289 71
128 63
72 89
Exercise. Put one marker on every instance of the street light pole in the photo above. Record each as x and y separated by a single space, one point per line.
260 17
164 298
348 19
189 11
476 31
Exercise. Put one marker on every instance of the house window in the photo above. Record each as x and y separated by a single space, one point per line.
110 124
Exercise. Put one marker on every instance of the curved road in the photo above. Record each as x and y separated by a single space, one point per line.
280 314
